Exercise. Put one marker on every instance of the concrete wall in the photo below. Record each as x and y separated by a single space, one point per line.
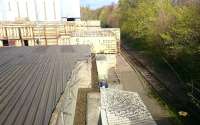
97 44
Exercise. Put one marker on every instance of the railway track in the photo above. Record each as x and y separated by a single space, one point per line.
164 92
150 78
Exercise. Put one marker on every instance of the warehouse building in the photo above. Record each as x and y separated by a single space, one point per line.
53 22
28 33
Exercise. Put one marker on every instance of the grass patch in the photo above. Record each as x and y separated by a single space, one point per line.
81 104
174 117
156 62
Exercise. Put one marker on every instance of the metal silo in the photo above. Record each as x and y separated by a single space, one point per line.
2 9
12 9
47 10
70 9
39 10
34 10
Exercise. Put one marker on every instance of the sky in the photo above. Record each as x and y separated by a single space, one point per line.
96 3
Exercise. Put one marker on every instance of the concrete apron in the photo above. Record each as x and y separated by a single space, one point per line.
65 109
107 66
93 108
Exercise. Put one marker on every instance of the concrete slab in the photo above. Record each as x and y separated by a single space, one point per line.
124 108
106 66
93 108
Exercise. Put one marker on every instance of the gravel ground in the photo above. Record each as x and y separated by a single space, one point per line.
132 81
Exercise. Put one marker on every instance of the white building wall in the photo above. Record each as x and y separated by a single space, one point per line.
41 10
3 9
48 10
70 8
1 43
97 44
31 10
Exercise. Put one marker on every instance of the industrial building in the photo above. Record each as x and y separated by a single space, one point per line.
52 22
29 33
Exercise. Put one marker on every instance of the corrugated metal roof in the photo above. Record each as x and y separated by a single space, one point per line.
32 80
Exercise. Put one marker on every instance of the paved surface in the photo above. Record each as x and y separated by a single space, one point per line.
106 65
32 80
132 81
124 108
93 108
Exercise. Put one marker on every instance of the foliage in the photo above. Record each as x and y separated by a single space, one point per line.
168 29
108 15
88 14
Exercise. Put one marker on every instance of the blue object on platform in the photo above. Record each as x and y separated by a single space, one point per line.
103 84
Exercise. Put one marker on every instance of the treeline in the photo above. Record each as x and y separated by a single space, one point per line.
166 28
107 14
